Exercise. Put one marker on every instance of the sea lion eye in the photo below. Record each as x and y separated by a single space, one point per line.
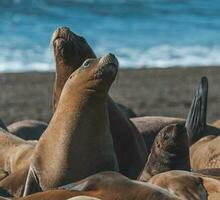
166 137
86 64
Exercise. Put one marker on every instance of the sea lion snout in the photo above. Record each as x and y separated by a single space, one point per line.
107 66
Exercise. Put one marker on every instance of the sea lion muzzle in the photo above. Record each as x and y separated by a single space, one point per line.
107 66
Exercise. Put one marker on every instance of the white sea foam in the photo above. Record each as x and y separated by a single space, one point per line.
158 56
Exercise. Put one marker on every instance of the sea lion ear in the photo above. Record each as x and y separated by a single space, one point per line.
32 184
196 120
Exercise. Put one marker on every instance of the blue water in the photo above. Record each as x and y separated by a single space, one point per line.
142 33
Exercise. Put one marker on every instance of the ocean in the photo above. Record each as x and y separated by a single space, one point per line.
142 33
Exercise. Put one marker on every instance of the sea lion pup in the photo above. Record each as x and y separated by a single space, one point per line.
106 186
187 185
170 151
77 142
70 50
28 129
15 152
206 153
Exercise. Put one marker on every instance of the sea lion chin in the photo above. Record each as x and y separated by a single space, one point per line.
170 151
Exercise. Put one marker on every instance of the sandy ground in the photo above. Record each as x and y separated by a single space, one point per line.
166 92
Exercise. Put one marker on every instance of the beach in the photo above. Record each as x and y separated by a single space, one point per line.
151 92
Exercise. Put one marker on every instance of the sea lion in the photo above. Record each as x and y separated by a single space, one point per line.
187 185
205 153
15 152
70 50
170 151
28 129
106 186
77 142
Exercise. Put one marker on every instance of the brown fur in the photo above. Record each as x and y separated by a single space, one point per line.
70 51
77 142
206 153
187 185
216 123
28 129
15 182
15 152
170 151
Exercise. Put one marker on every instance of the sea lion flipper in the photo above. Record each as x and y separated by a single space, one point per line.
196 119
32 184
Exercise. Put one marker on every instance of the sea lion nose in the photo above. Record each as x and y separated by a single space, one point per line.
109 58
63 29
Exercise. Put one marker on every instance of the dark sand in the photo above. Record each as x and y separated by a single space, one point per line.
166 92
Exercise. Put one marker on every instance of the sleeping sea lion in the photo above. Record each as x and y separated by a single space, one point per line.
187 185
77 142
28 129
70 50
170 151
106 186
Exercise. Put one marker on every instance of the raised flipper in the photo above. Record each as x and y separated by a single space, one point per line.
32 184
196 120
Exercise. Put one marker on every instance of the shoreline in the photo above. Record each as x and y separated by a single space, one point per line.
147 91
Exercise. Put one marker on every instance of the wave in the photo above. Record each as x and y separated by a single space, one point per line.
158 56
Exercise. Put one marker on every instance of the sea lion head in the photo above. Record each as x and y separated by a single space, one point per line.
170 151
96 74
70 50
171 139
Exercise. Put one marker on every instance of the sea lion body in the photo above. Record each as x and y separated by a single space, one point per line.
15 152
170 151
187 185
28 129
106 186
70 51
206 153
77 142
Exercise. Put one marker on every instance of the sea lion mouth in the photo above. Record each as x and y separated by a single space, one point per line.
107 67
